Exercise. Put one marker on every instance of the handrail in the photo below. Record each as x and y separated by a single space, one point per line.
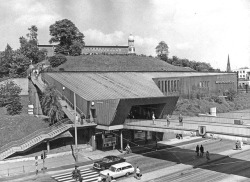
72 105
32 135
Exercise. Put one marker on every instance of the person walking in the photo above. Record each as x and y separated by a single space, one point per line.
99 178
180 119
153 118
201 151
207 156
128 149
168 120
197 150
108 178
137 173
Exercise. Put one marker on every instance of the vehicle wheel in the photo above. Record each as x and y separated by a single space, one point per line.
103 168
127 174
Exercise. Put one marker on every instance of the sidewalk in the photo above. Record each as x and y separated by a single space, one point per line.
182 167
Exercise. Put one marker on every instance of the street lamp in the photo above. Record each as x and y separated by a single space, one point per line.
76 150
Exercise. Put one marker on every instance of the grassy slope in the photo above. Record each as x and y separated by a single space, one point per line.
16 127
117 63
196 106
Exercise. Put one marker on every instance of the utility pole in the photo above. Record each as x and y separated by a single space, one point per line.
76 150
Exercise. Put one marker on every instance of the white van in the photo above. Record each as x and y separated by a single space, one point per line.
118 170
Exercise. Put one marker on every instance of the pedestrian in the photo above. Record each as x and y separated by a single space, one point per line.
76 174
207 156
113 146
180 119
128 149
153 118
197 150
108 178
137 173
99 178
168 120
201 150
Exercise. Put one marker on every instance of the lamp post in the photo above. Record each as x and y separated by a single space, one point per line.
76 150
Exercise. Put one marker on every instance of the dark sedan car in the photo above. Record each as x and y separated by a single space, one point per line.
107 161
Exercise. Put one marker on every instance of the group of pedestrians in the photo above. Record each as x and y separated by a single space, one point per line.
200 152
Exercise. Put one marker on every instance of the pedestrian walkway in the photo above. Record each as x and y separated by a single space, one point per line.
88 175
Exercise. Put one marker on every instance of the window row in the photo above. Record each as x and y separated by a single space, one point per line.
204 84
169 85
103 49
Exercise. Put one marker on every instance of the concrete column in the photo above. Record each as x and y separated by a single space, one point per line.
48 146
93 140
121 137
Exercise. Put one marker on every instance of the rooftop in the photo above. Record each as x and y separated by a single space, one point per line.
92 63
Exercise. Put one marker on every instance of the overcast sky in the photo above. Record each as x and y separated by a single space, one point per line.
200 30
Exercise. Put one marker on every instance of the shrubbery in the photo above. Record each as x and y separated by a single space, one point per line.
57 60
192 107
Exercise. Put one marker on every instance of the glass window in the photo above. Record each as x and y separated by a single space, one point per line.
178 87
166 86
172 86
159 84
175 85
162 86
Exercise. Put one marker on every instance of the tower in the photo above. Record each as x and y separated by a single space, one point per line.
131 47
228 64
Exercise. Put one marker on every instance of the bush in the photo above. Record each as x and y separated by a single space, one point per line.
57 60
15 107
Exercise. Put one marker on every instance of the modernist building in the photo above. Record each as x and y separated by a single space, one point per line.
110 89
87 49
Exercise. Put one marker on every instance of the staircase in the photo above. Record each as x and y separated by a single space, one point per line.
34 138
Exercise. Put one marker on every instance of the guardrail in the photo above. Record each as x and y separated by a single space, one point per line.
23 143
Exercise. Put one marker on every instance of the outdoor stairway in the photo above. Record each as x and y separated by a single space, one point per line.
34 138
67 106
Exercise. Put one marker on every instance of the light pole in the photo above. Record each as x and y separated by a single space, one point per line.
76 150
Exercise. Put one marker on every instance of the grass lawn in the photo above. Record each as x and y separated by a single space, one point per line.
16 127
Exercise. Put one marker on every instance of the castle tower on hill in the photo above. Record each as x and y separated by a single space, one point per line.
131 47
228 65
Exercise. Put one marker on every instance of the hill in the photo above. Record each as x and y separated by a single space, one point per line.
18 126
117 63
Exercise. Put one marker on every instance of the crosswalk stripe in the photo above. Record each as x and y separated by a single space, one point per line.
65 175
69 177
82 170
88 175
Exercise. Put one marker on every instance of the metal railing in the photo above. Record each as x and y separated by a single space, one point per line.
24 142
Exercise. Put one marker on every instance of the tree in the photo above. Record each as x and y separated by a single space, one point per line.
57 60
51 106
9 97
162 51
29 48
66 34
6 61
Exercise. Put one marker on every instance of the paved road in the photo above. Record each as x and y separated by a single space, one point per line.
231 169
151 160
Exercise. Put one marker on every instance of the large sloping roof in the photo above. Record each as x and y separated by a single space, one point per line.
118 63
102 86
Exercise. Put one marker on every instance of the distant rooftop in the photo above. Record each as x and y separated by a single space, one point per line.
118 63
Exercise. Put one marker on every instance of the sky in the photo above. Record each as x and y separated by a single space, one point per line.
198 30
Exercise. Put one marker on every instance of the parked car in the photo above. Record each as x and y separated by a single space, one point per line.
107 161
118 170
